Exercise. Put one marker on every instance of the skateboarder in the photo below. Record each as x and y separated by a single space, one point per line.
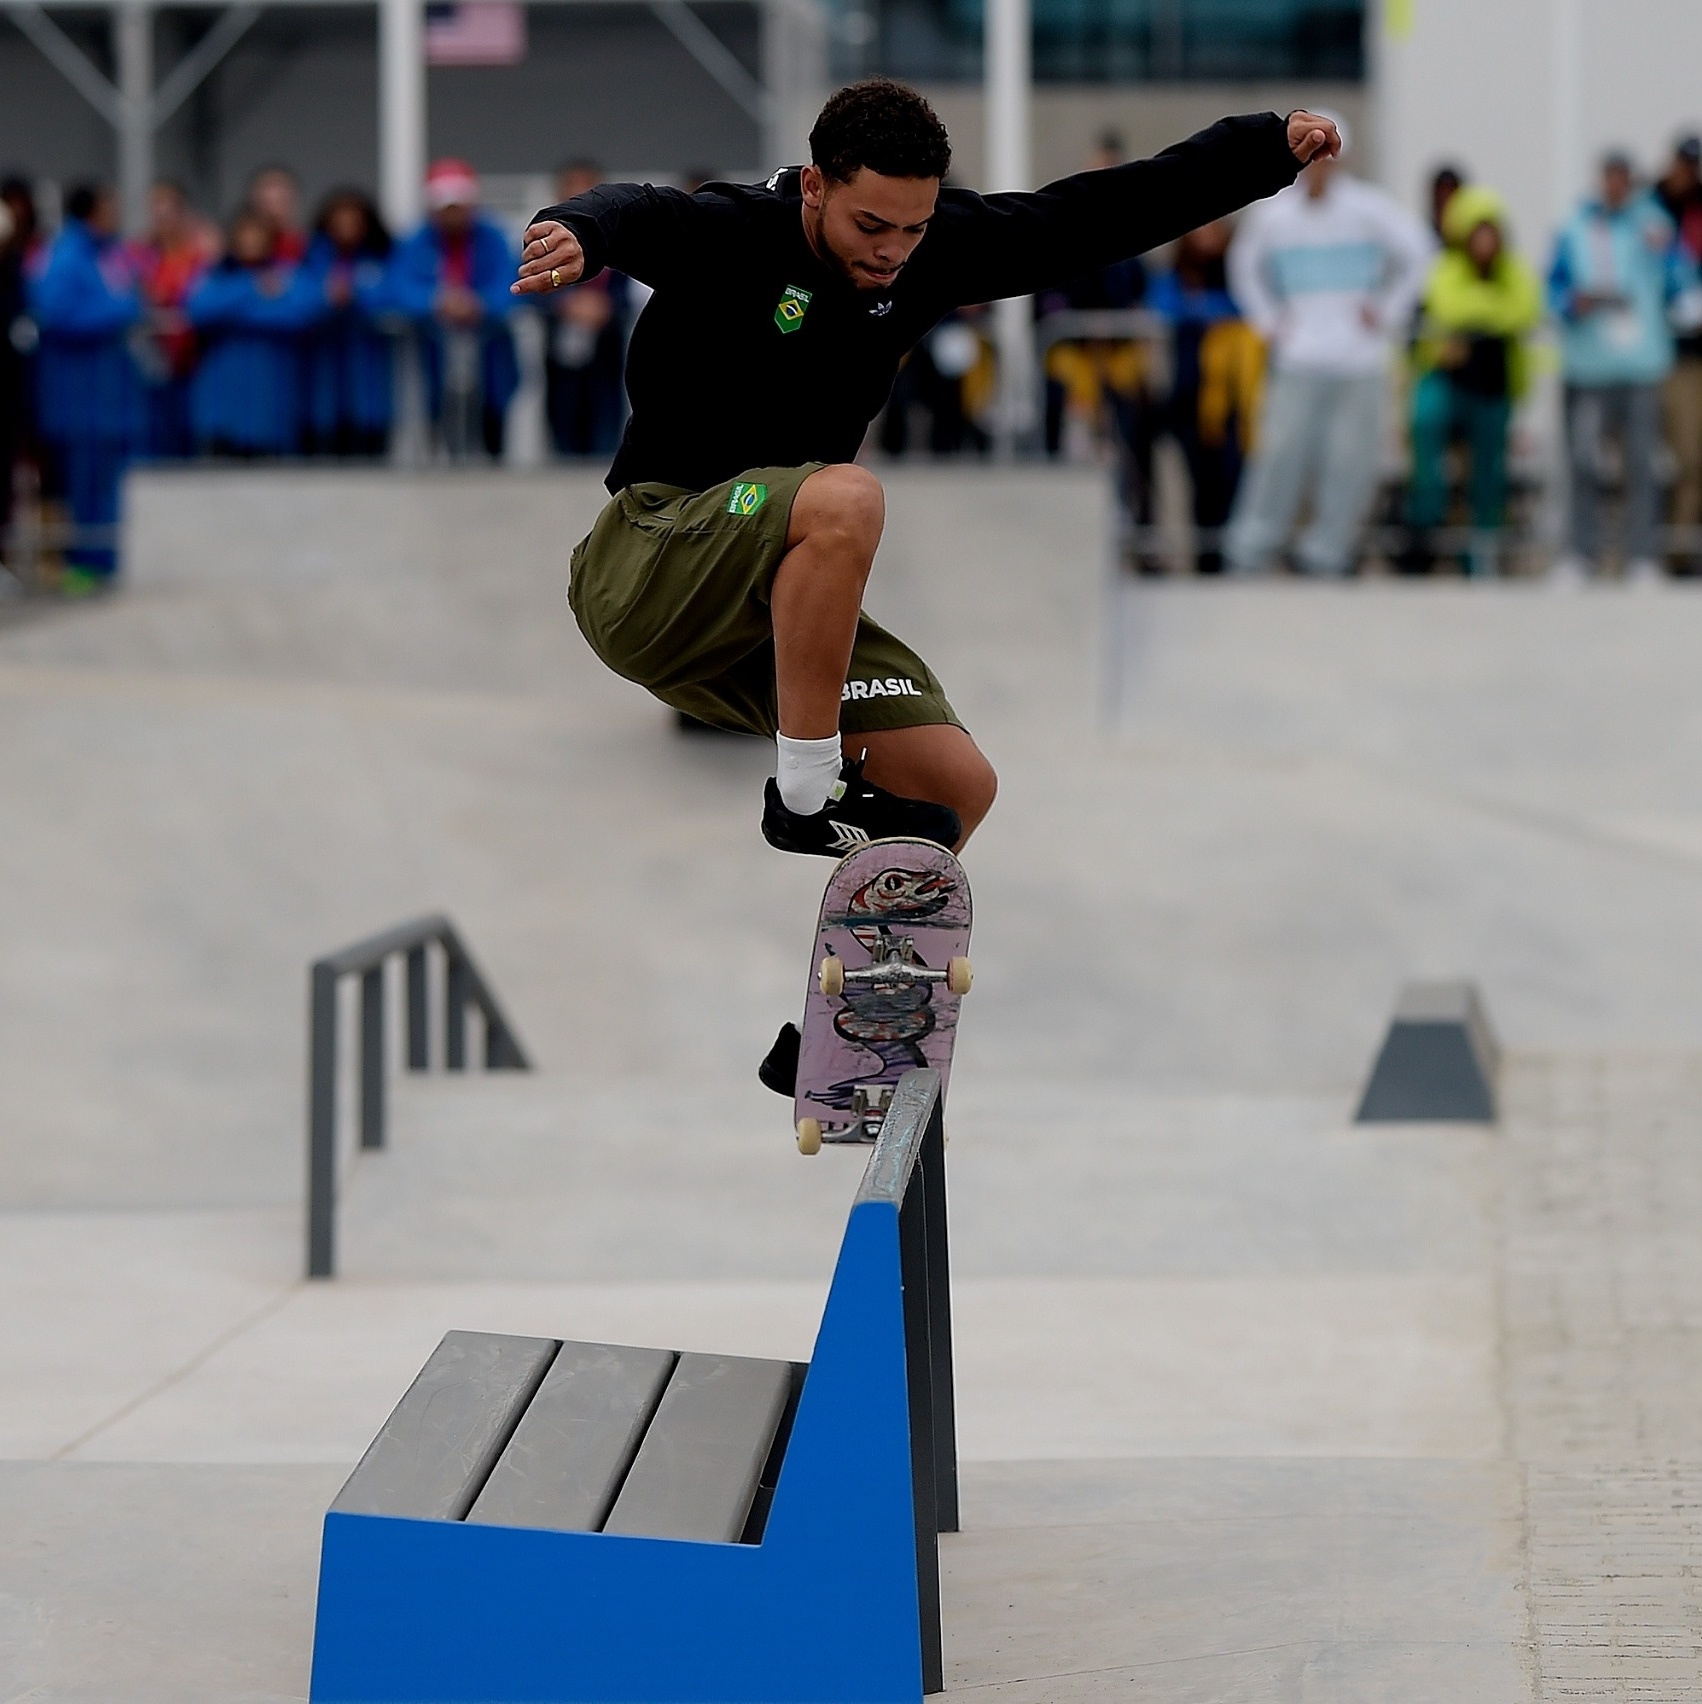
727 573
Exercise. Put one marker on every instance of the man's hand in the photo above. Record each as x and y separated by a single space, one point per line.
550 259
1311 137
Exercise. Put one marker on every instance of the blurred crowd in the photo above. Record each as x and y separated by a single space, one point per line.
271 338
1337 377
1327 377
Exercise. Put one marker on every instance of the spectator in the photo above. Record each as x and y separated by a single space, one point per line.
1616 268
1680 194
84 299
451 279
251 311
17 341
275 195
586 325
1445 183
1328 271
1216 370
1103 380
349 381
178 248
1480 303
940 376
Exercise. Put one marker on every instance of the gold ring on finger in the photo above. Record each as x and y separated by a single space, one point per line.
555 277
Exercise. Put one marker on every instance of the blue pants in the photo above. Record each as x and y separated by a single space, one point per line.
93 470
171 436
1632 413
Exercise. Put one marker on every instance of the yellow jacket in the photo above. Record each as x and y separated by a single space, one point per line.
1459 302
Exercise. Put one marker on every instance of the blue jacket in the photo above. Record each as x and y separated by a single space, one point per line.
348 350
1188 304
246 394
1631 254
84 299
416 274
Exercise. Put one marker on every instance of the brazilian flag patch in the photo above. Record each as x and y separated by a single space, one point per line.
746 499
790 310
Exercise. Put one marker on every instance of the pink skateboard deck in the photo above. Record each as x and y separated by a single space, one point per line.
887 976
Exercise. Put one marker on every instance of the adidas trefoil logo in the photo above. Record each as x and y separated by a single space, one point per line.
847 836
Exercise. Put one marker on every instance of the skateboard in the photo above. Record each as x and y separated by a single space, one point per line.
887 976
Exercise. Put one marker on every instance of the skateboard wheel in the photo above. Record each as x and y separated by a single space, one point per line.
809 1135
832 975
959 975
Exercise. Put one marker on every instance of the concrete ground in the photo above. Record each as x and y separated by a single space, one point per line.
1254 1404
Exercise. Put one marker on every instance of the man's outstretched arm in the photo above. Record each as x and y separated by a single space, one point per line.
637 228
1014 245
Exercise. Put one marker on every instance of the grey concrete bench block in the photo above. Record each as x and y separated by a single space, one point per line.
432 1456
695 1475
1438 1061
576 1440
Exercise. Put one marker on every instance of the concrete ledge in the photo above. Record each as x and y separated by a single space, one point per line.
1438 1061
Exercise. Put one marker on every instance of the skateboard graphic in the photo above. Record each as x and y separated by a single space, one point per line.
887 976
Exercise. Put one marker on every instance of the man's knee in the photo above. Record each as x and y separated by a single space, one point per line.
974 786
984 786
842 499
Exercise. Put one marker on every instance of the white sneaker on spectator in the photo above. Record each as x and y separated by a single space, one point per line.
1568 570
1644 571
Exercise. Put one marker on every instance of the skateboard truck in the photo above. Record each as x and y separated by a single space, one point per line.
869 1109
870 1104
893 964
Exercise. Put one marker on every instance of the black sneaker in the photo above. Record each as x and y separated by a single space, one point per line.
779 1071
862 812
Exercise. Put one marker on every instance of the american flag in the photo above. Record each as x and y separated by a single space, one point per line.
475 32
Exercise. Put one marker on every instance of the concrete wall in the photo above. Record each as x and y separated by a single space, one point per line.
604 81
1526 93
42 118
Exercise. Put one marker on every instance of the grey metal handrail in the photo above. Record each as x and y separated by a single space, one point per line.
908 1166
1099 325
464 986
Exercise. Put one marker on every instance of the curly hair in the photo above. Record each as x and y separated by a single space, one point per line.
884 126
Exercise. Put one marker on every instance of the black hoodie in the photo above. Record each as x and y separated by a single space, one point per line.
753 353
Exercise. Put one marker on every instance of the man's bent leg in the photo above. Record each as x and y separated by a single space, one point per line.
937 761
817 594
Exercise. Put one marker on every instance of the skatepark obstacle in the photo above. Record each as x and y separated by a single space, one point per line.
586 1522
1437 1063
463 986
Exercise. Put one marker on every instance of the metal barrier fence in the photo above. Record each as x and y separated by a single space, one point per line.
463 986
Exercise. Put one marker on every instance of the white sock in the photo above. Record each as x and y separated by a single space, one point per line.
808 772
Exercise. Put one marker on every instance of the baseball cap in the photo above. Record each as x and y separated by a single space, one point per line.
451 183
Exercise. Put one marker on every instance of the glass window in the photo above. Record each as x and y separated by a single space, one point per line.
1110 41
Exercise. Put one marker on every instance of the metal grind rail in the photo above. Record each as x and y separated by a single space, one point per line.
464 987
908 1167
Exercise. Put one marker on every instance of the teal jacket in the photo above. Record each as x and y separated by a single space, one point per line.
1632 255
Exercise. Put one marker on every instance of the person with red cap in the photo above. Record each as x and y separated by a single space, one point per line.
451 279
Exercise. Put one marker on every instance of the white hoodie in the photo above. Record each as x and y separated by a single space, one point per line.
1329 283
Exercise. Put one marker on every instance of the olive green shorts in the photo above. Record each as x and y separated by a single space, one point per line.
671 589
